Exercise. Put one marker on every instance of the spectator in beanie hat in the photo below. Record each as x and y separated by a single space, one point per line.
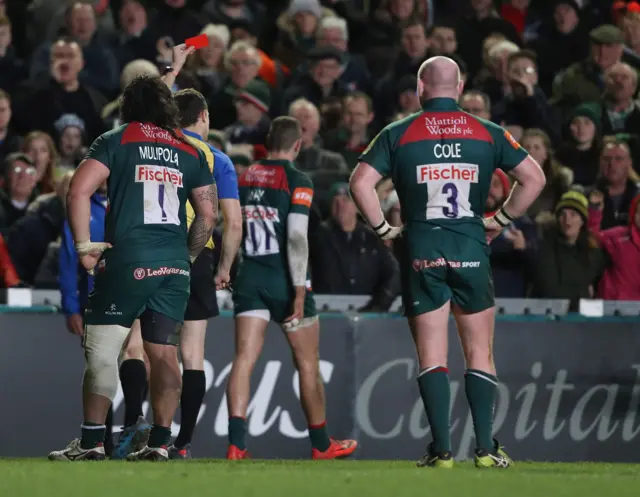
580 152
218 140
569 262
71 138
252 124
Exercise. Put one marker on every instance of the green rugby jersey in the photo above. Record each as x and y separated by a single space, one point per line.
441 161
151 177
269 191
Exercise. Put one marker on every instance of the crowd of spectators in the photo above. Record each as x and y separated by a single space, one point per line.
560 75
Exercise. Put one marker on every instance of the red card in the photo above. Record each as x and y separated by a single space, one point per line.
197 42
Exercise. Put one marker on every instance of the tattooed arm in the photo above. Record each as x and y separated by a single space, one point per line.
205 205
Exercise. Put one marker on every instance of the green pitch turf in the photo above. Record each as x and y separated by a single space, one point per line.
200 478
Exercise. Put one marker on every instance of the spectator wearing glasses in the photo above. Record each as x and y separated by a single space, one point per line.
243 63
19 189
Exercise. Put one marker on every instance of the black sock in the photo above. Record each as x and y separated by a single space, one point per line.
133 377
108 434
193 390
92 435
159 436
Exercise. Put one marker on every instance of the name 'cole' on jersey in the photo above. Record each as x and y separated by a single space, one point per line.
441 161
151 176
269 191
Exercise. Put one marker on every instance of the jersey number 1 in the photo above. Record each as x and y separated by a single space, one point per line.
161 203
260 238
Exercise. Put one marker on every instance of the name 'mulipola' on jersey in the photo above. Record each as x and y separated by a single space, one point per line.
441 161
151 176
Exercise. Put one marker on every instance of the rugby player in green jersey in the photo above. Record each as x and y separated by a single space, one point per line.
142 269
441 161
272 285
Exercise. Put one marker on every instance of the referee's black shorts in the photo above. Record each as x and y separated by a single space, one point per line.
203 303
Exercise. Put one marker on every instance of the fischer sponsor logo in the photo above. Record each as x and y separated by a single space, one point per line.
446 126
163 154
158 174
420 264
447 172
260 213
142 273
603 412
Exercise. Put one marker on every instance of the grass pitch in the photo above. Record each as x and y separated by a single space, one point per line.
199 478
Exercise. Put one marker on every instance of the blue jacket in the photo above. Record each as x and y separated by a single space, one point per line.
75 283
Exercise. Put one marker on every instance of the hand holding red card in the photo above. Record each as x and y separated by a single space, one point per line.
197 42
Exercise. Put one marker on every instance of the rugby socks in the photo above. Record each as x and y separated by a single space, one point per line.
108 433
436 397
237 431
159 436
319 437
480 388
133 378
92 435
193 390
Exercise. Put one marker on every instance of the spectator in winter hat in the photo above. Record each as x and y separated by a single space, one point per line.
569 262
218 140
252 124
323 79
229 11
71 143
581 151
19 189
297 30
582 81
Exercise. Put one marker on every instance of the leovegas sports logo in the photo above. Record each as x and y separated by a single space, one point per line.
158 174
511 140
447 172
142 273
302 196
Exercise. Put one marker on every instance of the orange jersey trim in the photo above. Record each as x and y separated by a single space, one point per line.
302 196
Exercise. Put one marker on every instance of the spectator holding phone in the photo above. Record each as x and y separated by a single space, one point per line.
621 244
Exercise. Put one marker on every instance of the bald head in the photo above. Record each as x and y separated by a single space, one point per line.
439 77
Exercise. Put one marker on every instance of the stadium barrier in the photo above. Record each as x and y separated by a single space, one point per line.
569 389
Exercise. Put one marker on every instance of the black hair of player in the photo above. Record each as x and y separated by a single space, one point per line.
283 134
191 103
147 99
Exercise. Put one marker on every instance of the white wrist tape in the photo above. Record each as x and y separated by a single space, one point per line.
503 218
83 247
383 229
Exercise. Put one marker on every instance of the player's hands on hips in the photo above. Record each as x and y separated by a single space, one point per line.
297 313
222 279
75 324
180 54
492 229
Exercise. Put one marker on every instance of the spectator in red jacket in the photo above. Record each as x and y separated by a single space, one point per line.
621 278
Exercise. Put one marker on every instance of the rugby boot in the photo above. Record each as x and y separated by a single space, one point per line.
236 454
74 452
131 439
150 454
337 450
433 459
178 453
496 459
